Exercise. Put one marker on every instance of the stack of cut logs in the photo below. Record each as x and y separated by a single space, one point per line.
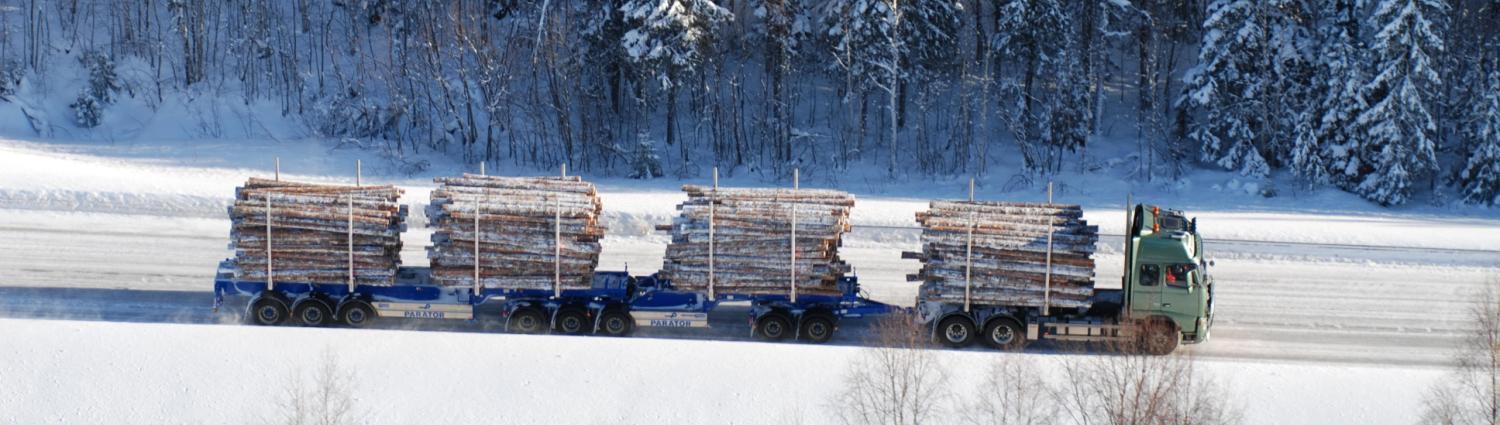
1009 255
312 228
752 244
532 231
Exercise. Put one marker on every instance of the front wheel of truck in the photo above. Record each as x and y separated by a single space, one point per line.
1160 337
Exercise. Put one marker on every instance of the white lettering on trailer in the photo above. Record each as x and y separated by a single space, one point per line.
671 319
425 310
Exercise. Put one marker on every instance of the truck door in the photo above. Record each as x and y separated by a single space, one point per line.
1180 295
1145 297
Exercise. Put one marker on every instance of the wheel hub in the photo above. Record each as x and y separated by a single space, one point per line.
957 332
1003 335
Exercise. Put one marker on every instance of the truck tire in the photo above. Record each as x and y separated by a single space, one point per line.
817 328
773 327
356 313
616 323
312 312
1159 338
956 331
527 320
573 322
1005 334
267 311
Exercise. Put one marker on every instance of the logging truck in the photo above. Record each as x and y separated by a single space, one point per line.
1166 297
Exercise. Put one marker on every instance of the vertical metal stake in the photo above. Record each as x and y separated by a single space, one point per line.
1047 294
796 184
481 168
478 286
278 168
557 246
351 244
713 197
359 172
969 254
270 281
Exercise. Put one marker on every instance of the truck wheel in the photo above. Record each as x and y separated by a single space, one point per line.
312 312
956 331
572 322
773 327
356 313
817 329
267 311
615 323
1160 338
1005 334
527 320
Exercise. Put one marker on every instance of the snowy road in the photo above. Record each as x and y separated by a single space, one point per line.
1287 302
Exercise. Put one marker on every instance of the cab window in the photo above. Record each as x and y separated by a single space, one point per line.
1178 275
1150 274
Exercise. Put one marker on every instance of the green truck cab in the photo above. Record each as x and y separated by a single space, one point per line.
1165 298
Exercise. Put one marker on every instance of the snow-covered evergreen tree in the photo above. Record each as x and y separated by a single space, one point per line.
1229 84
1480 178
1400 135
1048 97
670 39
97 92
1290 48
1325 150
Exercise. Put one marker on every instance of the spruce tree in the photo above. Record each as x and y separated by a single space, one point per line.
1480 179
1229 84
1400 135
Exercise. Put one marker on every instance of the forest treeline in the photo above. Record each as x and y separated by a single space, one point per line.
1383 98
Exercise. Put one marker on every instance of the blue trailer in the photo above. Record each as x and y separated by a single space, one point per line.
616 304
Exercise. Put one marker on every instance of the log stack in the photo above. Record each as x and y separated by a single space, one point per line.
1009 255
752 240
311 230
530 230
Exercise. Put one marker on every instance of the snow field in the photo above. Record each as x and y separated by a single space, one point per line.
100 372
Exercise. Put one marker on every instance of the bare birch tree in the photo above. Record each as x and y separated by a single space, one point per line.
895 382
1472 394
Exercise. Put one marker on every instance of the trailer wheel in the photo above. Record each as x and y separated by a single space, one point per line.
527 320
773 327
1159 338
312 312
817 328
616 323
356 313
1005 334
956 331
572 321
267 311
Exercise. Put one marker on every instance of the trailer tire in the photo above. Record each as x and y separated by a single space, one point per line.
572 321
356 313
616 323
268 311
773 327
312 312
956 331
527 320
817 328
1159 337
1004 333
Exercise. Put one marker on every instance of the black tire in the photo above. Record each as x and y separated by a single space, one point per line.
527 320
1159 338
817 329
573 322
616 323
312 312
267 311
356 313
956 332
773 327
1005 334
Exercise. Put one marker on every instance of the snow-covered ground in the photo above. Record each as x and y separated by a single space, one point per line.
1329 311
102 372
